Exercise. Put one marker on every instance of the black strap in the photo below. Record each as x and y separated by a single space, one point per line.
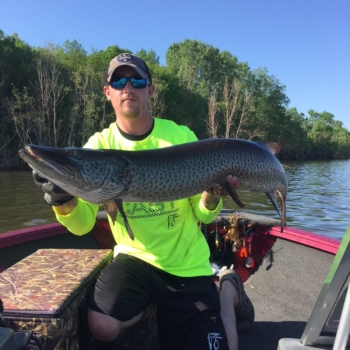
2 321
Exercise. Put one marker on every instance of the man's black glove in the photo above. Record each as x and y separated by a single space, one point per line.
54 195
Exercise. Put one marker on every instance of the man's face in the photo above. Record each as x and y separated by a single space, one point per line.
128 102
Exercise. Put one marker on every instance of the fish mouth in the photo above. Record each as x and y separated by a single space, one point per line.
40 157
61 167
30 153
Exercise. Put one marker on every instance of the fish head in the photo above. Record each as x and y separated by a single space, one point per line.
83 173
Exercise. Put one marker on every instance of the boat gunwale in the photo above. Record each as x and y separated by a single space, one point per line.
307 238
15 237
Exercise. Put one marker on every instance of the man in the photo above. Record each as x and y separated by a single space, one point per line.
167 264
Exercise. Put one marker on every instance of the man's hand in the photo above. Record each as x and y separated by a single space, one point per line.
54 195
211 196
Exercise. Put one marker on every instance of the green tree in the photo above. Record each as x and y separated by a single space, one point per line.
295 144
201 68
320 131
16 69
151 58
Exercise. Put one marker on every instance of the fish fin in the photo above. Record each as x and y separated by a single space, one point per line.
273 147
232 193
272 198
119 203
283 207
111 209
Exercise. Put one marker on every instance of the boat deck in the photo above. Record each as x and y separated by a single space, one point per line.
284 290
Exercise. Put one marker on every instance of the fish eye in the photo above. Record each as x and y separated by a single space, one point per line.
79 155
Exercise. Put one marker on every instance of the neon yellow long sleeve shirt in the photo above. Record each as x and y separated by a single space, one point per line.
166 233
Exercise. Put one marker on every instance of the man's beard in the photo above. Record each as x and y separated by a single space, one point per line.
134 113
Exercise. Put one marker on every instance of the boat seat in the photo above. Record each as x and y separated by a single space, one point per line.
329 324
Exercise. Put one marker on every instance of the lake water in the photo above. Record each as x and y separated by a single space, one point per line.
318 199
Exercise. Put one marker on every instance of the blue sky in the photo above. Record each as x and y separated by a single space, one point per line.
305 44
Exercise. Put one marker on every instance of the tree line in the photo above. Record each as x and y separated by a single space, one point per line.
53 96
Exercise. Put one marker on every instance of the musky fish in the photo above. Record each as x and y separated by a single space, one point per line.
165 174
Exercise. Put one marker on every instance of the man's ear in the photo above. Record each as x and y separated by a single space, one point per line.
106 91
151 90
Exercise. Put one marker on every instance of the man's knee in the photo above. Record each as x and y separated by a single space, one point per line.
103 327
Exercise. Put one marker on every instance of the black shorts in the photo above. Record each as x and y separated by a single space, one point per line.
188 308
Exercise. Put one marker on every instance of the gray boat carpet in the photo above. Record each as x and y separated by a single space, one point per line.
284 291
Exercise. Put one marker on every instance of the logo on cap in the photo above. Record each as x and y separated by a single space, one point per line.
125 57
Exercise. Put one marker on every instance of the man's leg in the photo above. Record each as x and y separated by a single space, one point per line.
120 299
229 300
237 311
189 315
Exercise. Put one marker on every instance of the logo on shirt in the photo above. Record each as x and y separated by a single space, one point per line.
171 220
213 340
141 210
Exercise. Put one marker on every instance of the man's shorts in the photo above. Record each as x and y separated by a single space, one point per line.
188 308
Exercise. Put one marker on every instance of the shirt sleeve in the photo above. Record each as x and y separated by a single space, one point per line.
81 219
203 214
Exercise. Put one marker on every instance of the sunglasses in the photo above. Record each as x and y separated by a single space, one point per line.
136 83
